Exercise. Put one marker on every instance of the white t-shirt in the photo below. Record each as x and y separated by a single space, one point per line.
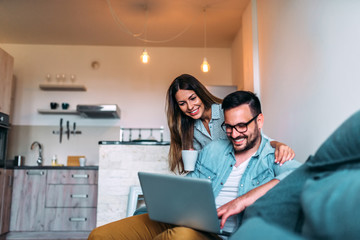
229 192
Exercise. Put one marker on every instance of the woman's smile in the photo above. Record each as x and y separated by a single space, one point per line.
194 112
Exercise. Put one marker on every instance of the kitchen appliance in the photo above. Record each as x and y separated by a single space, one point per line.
99 110
4 129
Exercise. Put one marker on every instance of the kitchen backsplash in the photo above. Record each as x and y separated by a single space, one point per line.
86 143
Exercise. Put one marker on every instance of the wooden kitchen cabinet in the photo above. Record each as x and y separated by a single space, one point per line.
62 200
6 81
27 210
5 199
71 200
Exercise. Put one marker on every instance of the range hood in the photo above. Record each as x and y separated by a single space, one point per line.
99 110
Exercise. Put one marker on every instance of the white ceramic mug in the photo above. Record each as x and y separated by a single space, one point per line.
189 158
82 162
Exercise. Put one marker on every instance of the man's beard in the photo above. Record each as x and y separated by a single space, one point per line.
251 140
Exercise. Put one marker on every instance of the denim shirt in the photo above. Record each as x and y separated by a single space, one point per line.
201 135
216 160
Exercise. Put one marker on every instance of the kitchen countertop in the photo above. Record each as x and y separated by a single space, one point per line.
57 167
133 143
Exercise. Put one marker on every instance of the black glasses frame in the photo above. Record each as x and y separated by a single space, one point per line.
238 126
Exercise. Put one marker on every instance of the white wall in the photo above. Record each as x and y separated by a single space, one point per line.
237 60
309 68
138 89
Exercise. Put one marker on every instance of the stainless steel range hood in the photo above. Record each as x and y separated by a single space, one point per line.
99 110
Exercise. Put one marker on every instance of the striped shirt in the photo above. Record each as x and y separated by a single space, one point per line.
229 192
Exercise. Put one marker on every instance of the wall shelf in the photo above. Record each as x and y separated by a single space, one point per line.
57 111
62 87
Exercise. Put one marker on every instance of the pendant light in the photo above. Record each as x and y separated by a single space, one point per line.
145 56
205 67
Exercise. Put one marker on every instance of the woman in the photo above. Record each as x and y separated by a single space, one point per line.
195 117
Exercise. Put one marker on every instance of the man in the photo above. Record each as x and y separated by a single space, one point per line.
243 167
241 171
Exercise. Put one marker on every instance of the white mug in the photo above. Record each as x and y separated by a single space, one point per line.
189 158
82 162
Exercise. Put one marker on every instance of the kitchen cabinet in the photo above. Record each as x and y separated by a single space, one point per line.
5 199
6 81
68 200
71 200
28 200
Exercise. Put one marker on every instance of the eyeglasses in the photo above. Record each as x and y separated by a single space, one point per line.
240 127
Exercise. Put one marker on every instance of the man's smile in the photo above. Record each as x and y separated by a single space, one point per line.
239 140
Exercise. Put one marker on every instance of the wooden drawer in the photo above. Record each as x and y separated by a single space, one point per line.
72 177
70 219
71 195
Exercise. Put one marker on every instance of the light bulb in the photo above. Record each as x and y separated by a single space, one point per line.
145 57
205 67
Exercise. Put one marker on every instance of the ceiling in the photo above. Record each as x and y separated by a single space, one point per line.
163 23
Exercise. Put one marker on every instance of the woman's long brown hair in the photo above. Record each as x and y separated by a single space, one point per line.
181 126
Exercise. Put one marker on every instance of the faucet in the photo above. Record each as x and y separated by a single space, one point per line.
39 160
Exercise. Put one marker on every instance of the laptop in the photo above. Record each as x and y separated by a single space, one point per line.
180 201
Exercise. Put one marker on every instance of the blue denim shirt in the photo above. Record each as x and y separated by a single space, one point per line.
216 160
201 135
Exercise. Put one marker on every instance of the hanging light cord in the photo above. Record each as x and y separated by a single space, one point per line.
125 29
204 31
120 24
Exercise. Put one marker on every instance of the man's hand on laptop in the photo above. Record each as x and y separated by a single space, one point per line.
239 204
231 208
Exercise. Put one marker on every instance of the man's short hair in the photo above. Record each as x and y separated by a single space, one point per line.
238 98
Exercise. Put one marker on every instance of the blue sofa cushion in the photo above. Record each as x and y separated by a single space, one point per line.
331 206
281 204
256 228
330 209
140 210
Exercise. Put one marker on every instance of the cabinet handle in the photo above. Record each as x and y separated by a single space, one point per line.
80 176
40 173
79 196
77 219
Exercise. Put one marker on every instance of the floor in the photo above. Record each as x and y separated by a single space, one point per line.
45 236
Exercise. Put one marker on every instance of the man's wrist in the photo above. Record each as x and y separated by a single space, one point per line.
247 199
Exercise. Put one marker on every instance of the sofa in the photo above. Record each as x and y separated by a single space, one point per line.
319 200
